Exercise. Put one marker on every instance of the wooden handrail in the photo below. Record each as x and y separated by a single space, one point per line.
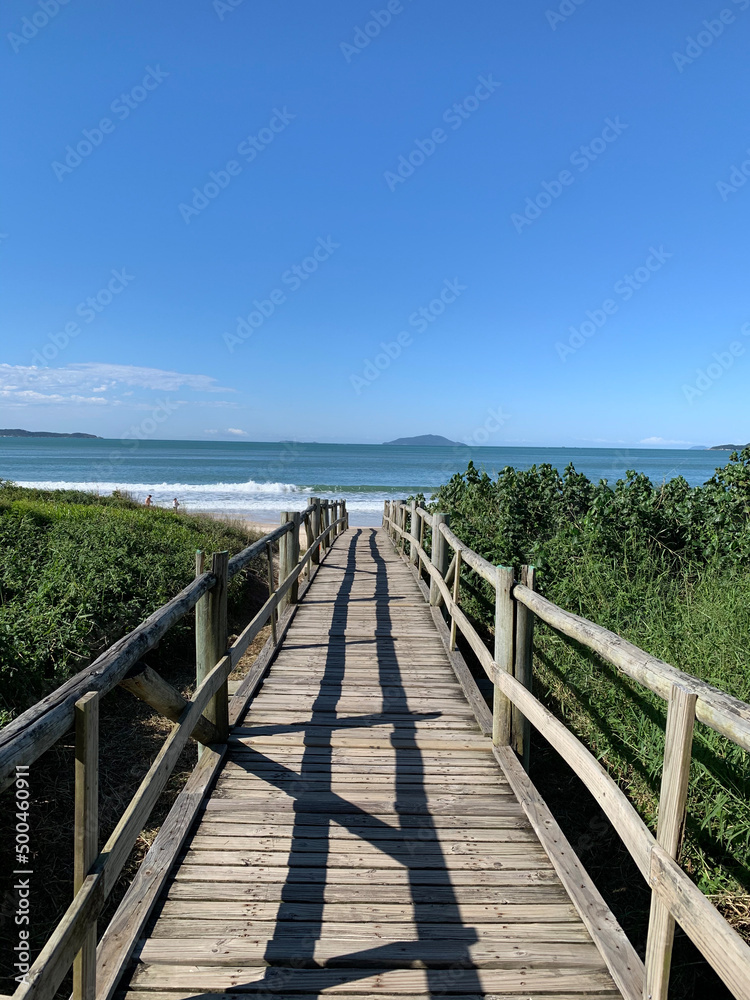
39 728
723 713
675 896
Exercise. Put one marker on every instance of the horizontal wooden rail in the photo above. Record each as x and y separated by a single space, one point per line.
715 708
39 728
719 943
480 565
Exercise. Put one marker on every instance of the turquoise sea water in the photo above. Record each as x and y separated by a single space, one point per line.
261 480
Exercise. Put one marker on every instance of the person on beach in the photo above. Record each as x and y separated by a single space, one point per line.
175 504
148 500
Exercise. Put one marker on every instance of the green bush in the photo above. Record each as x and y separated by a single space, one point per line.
665 567
78 571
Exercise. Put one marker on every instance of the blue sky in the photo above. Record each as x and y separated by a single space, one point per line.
571 217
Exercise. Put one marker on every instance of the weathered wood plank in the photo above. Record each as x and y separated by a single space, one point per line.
388 954
388 913
407 982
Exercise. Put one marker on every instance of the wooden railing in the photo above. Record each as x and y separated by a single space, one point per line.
205 717
514 709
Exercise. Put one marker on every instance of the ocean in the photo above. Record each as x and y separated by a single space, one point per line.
259 481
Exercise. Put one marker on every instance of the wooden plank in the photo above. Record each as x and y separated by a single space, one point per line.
335 982
245 825
360 935
672 799
208 995
219 842
337 876
389 913
420 740
519 887
506 856
86 831
390 954
150 687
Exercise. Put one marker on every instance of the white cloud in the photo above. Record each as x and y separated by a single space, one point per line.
661 440
22 385
237 431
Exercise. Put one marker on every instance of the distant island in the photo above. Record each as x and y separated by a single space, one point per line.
728 447
432 440
16 432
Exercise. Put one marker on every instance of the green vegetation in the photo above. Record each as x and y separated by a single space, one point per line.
664 566
79 571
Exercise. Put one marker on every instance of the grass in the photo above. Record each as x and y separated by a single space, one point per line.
79 571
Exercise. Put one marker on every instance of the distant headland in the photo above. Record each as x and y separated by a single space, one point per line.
16 432
431 440
728 447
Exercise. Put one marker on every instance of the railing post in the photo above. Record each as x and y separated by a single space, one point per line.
345 515
456 596
414 533
271 589
294 535
438 556
501 705
334 519
315 501
289 554
523 667
211 636
309 538
678 746
86 831
325 520
385 511
421 543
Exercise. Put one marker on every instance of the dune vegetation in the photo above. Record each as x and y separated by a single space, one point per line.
665 566
78 571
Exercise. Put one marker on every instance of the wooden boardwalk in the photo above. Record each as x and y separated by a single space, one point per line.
361 839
